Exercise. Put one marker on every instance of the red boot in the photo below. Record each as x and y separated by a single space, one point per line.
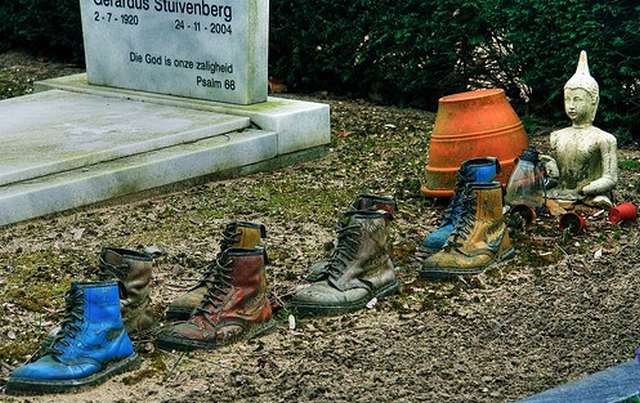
234 307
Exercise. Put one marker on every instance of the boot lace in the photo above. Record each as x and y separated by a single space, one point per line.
346 249
218 284
71 324
230 236
455 207
466 219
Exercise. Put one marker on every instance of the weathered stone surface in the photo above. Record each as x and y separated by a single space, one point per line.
63 191
299 124
215 50
57 131
288 131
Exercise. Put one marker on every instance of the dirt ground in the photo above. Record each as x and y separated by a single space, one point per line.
565 307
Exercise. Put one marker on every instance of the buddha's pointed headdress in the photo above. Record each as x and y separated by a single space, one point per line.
582 78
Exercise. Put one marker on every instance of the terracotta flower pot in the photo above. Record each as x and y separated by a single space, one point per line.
575 223
623 212
527 214
469 125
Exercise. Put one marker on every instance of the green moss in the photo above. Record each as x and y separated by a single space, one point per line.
629 165
138 376
264 106
35 283
18 350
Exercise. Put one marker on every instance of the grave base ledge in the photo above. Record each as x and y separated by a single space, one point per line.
298 124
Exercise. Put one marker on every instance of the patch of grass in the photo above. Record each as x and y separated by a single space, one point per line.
629 165
18 349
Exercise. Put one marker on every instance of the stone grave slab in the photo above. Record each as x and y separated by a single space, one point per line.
57 131
232 154
299 124
207 49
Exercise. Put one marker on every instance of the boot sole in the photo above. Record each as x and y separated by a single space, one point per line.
302 310
179 344
26 386
450 272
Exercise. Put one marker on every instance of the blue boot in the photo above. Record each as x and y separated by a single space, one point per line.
91 346
478 170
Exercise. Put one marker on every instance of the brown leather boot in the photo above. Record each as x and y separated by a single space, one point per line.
359 270
480 238
133 270
237 234
235 305
364 202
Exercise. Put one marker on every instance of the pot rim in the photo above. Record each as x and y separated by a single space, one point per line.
471 95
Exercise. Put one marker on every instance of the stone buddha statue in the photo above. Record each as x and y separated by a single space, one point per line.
583 164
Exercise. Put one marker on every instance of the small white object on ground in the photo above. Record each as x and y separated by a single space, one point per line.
372 303
292 322
598 254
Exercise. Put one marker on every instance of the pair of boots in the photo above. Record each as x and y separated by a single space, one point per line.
93 344
473 235
359 268
230 301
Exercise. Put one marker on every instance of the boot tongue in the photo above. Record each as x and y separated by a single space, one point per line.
250 235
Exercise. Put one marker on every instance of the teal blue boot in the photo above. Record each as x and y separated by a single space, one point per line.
91 346
478 170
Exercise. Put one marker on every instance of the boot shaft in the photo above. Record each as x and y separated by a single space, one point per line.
244 234
479 170
489 201
372 231
373 202
362 246
126 265
248 267
481 225
100 301
132 268
239 280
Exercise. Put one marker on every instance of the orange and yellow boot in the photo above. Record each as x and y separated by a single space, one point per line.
480 238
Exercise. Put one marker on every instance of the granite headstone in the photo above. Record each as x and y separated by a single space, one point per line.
207 49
